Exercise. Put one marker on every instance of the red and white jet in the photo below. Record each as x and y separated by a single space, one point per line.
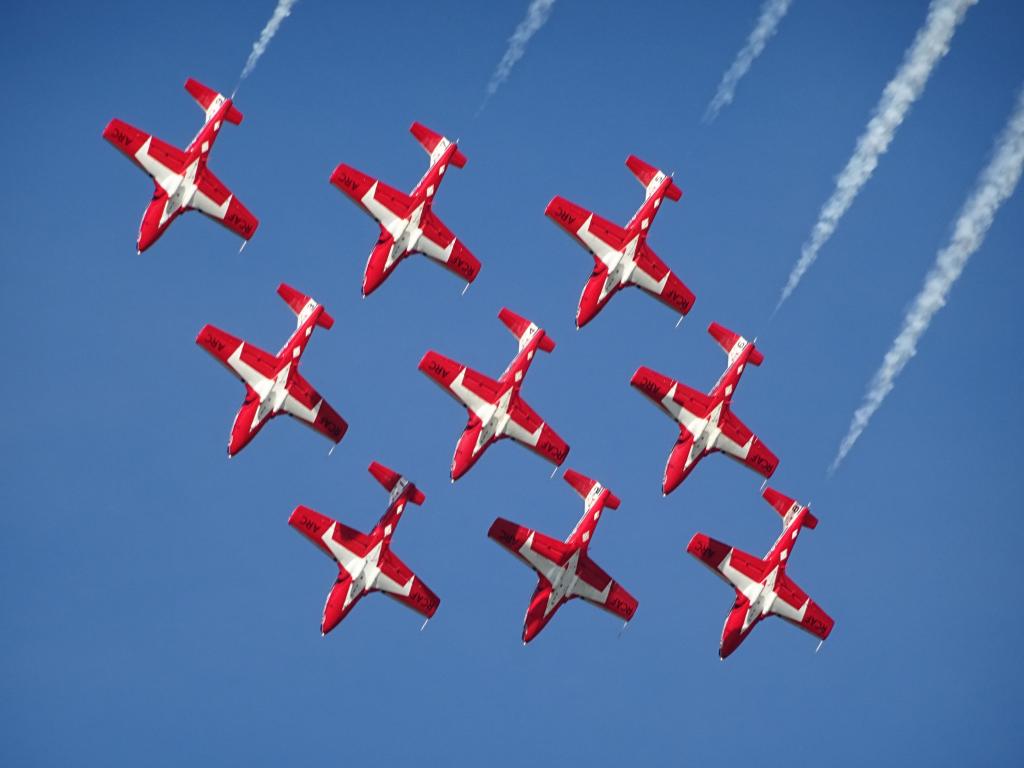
762 586
565 569
408 223
622 256
365 561
183 182
706 422
273 384
496 409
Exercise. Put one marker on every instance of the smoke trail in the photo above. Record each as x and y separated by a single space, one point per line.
994 185
772 12
930 45
536 16
281 12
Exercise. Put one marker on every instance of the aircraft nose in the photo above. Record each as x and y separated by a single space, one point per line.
530 630
729 644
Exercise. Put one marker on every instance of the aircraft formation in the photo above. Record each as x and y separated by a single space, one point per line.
495 408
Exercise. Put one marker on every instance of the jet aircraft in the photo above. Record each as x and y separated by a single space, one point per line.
273 384
496 409
762 586
365 561
622 256
408 223
182 180
565 569
706 422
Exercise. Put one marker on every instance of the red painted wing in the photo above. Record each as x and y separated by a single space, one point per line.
357 185
306 404
654 276
444 372
437 239
400 583
735 566
657 387
218 343
314 526
513 537
130 140
222 345
527 428
617 600
798 609
215 200
571 217
738 435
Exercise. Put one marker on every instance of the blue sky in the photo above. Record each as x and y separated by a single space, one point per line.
158 609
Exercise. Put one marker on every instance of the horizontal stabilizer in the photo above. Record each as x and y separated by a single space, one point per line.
435 144
211 101
584 486
303 306
395 484
789 509
732 343
524 330
651 178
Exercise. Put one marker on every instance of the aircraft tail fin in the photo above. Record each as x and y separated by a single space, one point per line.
734 344
524 330
303 306
651 178
584 486
435 144
789 509
211 101
395 484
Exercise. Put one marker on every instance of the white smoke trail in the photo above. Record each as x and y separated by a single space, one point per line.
772 12
536 16
930 45
281 12
994 185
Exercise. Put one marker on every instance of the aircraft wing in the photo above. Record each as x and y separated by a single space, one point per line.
673 396
216 201
796 607
597 587
670 394
542 553
469 387
250 363
739 442
397 581
441 245
657 279
305 403
526 427
743 571
385 204
164 163
337 540
599 236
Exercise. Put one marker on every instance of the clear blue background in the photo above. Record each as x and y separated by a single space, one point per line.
157 609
